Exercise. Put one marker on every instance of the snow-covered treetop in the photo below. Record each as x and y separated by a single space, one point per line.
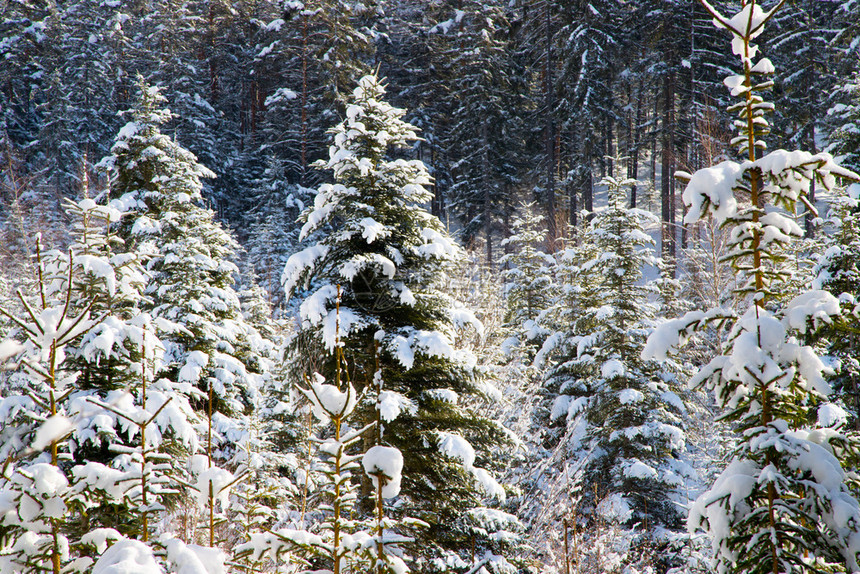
780 178
376 239
143 160
357 156
748 23
371 127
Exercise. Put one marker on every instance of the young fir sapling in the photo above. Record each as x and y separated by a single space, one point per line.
785 502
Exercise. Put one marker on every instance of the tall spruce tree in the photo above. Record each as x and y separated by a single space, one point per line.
837 268
212 353
273 234
529 286
838 272
189 256
625 441
371 282
785 502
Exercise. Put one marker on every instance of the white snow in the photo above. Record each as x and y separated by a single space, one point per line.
627 396
372 230
816 306
194 559
488 483
615 508
221 480
299 263
391 404
764 66
712 189
446 395
640 470
462 317
99 538
832 415
127 557
315 307
455 446
273 542
328 401
389 462
53 429
559 407
273 26
100 478
128 131
48 480
9 348
612 368
195 362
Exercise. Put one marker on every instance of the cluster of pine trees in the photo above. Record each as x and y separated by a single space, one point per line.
340 385
516 99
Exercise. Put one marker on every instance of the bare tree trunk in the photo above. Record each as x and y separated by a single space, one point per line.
588 181
666 187
549 135
654 144
304 58
635 131
488 221
610 146
213 63
809 217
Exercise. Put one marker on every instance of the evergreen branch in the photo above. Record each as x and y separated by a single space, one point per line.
68 289
29 312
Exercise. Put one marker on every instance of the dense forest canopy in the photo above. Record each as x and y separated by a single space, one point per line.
436 286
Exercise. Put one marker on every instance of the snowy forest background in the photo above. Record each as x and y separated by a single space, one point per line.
484 287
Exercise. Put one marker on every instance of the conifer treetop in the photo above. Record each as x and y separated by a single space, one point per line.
377 231
144 160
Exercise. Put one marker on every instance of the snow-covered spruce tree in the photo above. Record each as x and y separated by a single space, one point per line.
337 542
784 503
545 502
216 356
115 358
624 419
36 496
189 256
114 418
266 497
273 234
838 272
846 137
387 255
838 268
566 320
268 454
54 500
528 282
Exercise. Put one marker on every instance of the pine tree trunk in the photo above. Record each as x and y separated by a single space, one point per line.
668 204
654 143
610 147
549 135
304 136
809 217
588 181
635 131
488 223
